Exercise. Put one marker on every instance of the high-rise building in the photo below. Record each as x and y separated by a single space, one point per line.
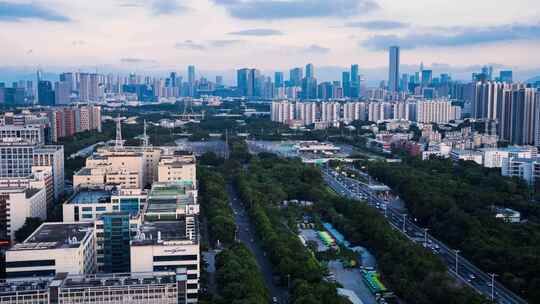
62 92
116 240
355 82
296 76
427 78
310 70
45 93
191 74
346 83
393 76
505 76
278 79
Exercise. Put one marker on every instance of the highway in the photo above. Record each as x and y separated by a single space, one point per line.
458 267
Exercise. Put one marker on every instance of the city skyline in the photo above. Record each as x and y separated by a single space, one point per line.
158 36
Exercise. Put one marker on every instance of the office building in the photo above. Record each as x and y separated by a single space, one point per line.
45 93
528 169
346 83
167 246
355 82
279 79
116 242
179 166
62 92
137 288
18 204
493 157
393 77
31 133
53 248
88 204
505 76
295 77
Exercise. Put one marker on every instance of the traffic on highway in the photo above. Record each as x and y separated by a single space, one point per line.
458 267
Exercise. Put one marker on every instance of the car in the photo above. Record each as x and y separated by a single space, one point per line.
275 300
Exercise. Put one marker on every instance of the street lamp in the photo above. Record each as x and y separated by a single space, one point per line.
457 259
492 286
425 236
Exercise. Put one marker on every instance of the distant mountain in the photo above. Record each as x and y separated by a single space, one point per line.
534 79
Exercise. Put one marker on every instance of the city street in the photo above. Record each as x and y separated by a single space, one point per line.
466 272
246 234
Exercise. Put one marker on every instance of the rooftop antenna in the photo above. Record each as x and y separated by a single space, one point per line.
118 143
145 136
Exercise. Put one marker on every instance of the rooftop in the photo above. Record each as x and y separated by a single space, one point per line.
90 196
55 236
151 233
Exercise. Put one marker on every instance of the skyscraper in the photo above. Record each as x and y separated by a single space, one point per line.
45 93
310 71
505 76
393 75
295 77
355 82
191 74
427 78
242 76
346 83
278 79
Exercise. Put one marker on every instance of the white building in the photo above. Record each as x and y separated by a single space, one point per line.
493 157
436 111
53 248
19 204
527 169
166 246
467 155
86 205
180 166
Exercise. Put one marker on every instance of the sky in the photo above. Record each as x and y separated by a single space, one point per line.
218 36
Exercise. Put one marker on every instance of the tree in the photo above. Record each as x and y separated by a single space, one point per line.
30 225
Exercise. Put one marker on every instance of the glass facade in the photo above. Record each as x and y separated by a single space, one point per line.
116 243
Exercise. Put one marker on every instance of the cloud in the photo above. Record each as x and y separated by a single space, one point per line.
223 43
377 25
190 45
455 37
166 7
157 7
19 11
136 60
257 32
279 9
316 49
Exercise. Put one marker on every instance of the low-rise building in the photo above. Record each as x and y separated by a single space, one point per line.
164 287
467 155
53 248
527 169
18 204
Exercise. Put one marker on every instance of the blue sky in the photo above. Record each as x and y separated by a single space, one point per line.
219 35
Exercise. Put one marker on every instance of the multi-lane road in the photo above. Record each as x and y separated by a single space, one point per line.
458 267
246 234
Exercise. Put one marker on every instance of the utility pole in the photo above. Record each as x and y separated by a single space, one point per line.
492 286
404 221
457 261
425 236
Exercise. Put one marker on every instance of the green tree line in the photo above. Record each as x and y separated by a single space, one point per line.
455 201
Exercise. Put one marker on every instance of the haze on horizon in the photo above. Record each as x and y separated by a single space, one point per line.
221 35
